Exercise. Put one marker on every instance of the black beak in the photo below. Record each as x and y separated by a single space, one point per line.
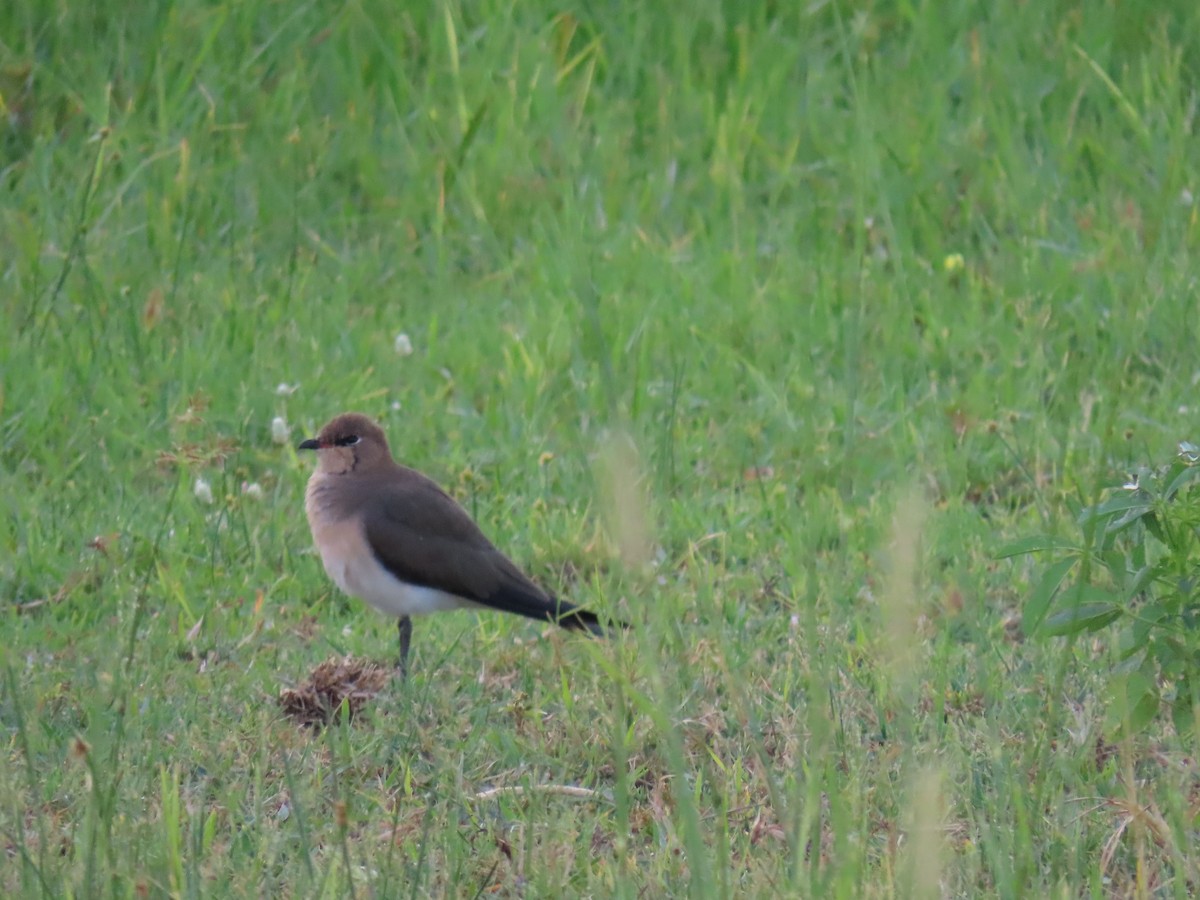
310 444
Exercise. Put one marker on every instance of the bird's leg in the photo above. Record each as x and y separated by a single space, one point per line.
404 627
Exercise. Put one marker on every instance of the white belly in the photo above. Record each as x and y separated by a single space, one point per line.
365 578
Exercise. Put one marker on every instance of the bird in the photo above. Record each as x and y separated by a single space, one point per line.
391 536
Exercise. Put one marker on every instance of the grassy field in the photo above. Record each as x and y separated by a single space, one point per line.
761 325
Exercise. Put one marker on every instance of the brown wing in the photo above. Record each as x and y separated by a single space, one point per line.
422 536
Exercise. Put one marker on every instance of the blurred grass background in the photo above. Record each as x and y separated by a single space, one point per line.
847 294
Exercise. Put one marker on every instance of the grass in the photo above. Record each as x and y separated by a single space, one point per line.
833 299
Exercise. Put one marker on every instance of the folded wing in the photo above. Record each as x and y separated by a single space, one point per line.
422 536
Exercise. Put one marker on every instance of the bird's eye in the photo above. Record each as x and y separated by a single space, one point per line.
348 441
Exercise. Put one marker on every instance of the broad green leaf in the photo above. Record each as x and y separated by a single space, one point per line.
1133 662
1129 517
1114 561
1135 702
1141 578
1174 658
1187 476
1155 527
1035 544
1143 712
1185 589
1137 553
1088 615
1116 504
1185 710
1040 597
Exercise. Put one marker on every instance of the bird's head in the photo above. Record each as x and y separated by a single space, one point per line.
349 443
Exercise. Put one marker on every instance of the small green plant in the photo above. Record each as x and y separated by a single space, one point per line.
1136 570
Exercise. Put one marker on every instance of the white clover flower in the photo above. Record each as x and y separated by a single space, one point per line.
403 344
286 390
279 430
253 490
203 491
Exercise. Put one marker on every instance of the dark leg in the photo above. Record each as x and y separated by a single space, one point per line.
404 626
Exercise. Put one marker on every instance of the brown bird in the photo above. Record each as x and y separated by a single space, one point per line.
391 536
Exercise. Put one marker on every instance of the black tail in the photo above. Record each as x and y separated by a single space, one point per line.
578 619
550 609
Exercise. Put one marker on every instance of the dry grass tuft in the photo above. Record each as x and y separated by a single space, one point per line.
318 700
